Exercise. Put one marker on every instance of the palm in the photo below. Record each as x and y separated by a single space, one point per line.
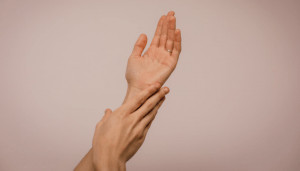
157 64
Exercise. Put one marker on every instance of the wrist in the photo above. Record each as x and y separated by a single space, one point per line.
110 165
131 92
103 161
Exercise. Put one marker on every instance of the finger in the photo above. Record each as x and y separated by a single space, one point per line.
171 13
164 30
138 100
151 103
156 38
177 44
171 33
139 45
108 111
149 118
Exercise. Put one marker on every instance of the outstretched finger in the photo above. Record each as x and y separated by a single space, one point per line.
156 38
108 111
139 45
171 34
177 44
164 31
171 13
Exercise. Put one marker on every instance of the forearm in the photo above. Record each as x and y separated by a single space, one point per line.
110 165
89 163
86 164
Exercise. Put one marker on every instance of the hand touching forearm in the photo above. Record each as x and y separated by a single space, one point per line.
120 133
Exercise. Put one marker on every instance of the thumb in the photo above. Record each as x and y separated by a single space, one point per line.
107 113
140 45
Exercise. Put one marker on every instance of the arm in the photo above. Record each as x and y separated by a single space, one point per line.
155 65
86 163
120 133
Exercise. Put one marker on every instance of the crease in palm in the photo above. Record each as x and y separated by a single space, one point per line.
157 63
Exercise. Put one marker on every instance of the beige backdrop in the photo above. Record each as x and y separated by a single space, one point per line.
235 98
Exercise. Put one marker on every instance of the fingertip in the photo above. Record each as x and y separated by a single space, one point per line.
161 21
143 36
108 110
171 13
166 90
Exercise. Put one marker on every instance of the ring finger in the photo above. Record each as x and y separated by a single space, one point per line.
171 34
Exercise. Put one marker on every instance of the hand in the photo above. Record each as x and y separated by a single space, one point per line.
121 133
157 64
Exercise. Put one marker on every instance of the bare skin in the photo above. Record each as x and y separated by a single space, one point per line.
154 66
119 134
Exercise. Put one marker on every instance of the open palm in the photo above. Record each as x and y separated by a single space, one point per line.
160 59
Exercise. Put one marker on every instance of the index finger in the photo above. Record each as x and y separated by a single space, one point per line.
139 99
151 103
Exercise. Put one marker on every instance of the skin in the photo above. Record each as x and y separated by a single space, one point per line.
111 149
119 134
156 64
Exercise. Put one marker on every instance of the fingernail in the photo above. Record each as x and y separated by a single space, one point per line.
166 90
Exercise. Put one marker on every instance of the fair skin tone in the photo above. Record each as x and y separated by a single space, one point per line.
120 133
156 64
143 70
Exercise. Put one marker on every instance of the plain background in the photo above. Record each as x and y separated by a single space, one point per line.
234 103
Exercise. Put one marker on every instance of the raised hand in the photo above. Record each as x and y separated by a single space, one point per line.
159 60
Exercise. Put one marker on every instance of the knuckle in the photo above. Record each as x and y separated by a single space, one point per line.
140 135
151 118
163 36
137 134
151 90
